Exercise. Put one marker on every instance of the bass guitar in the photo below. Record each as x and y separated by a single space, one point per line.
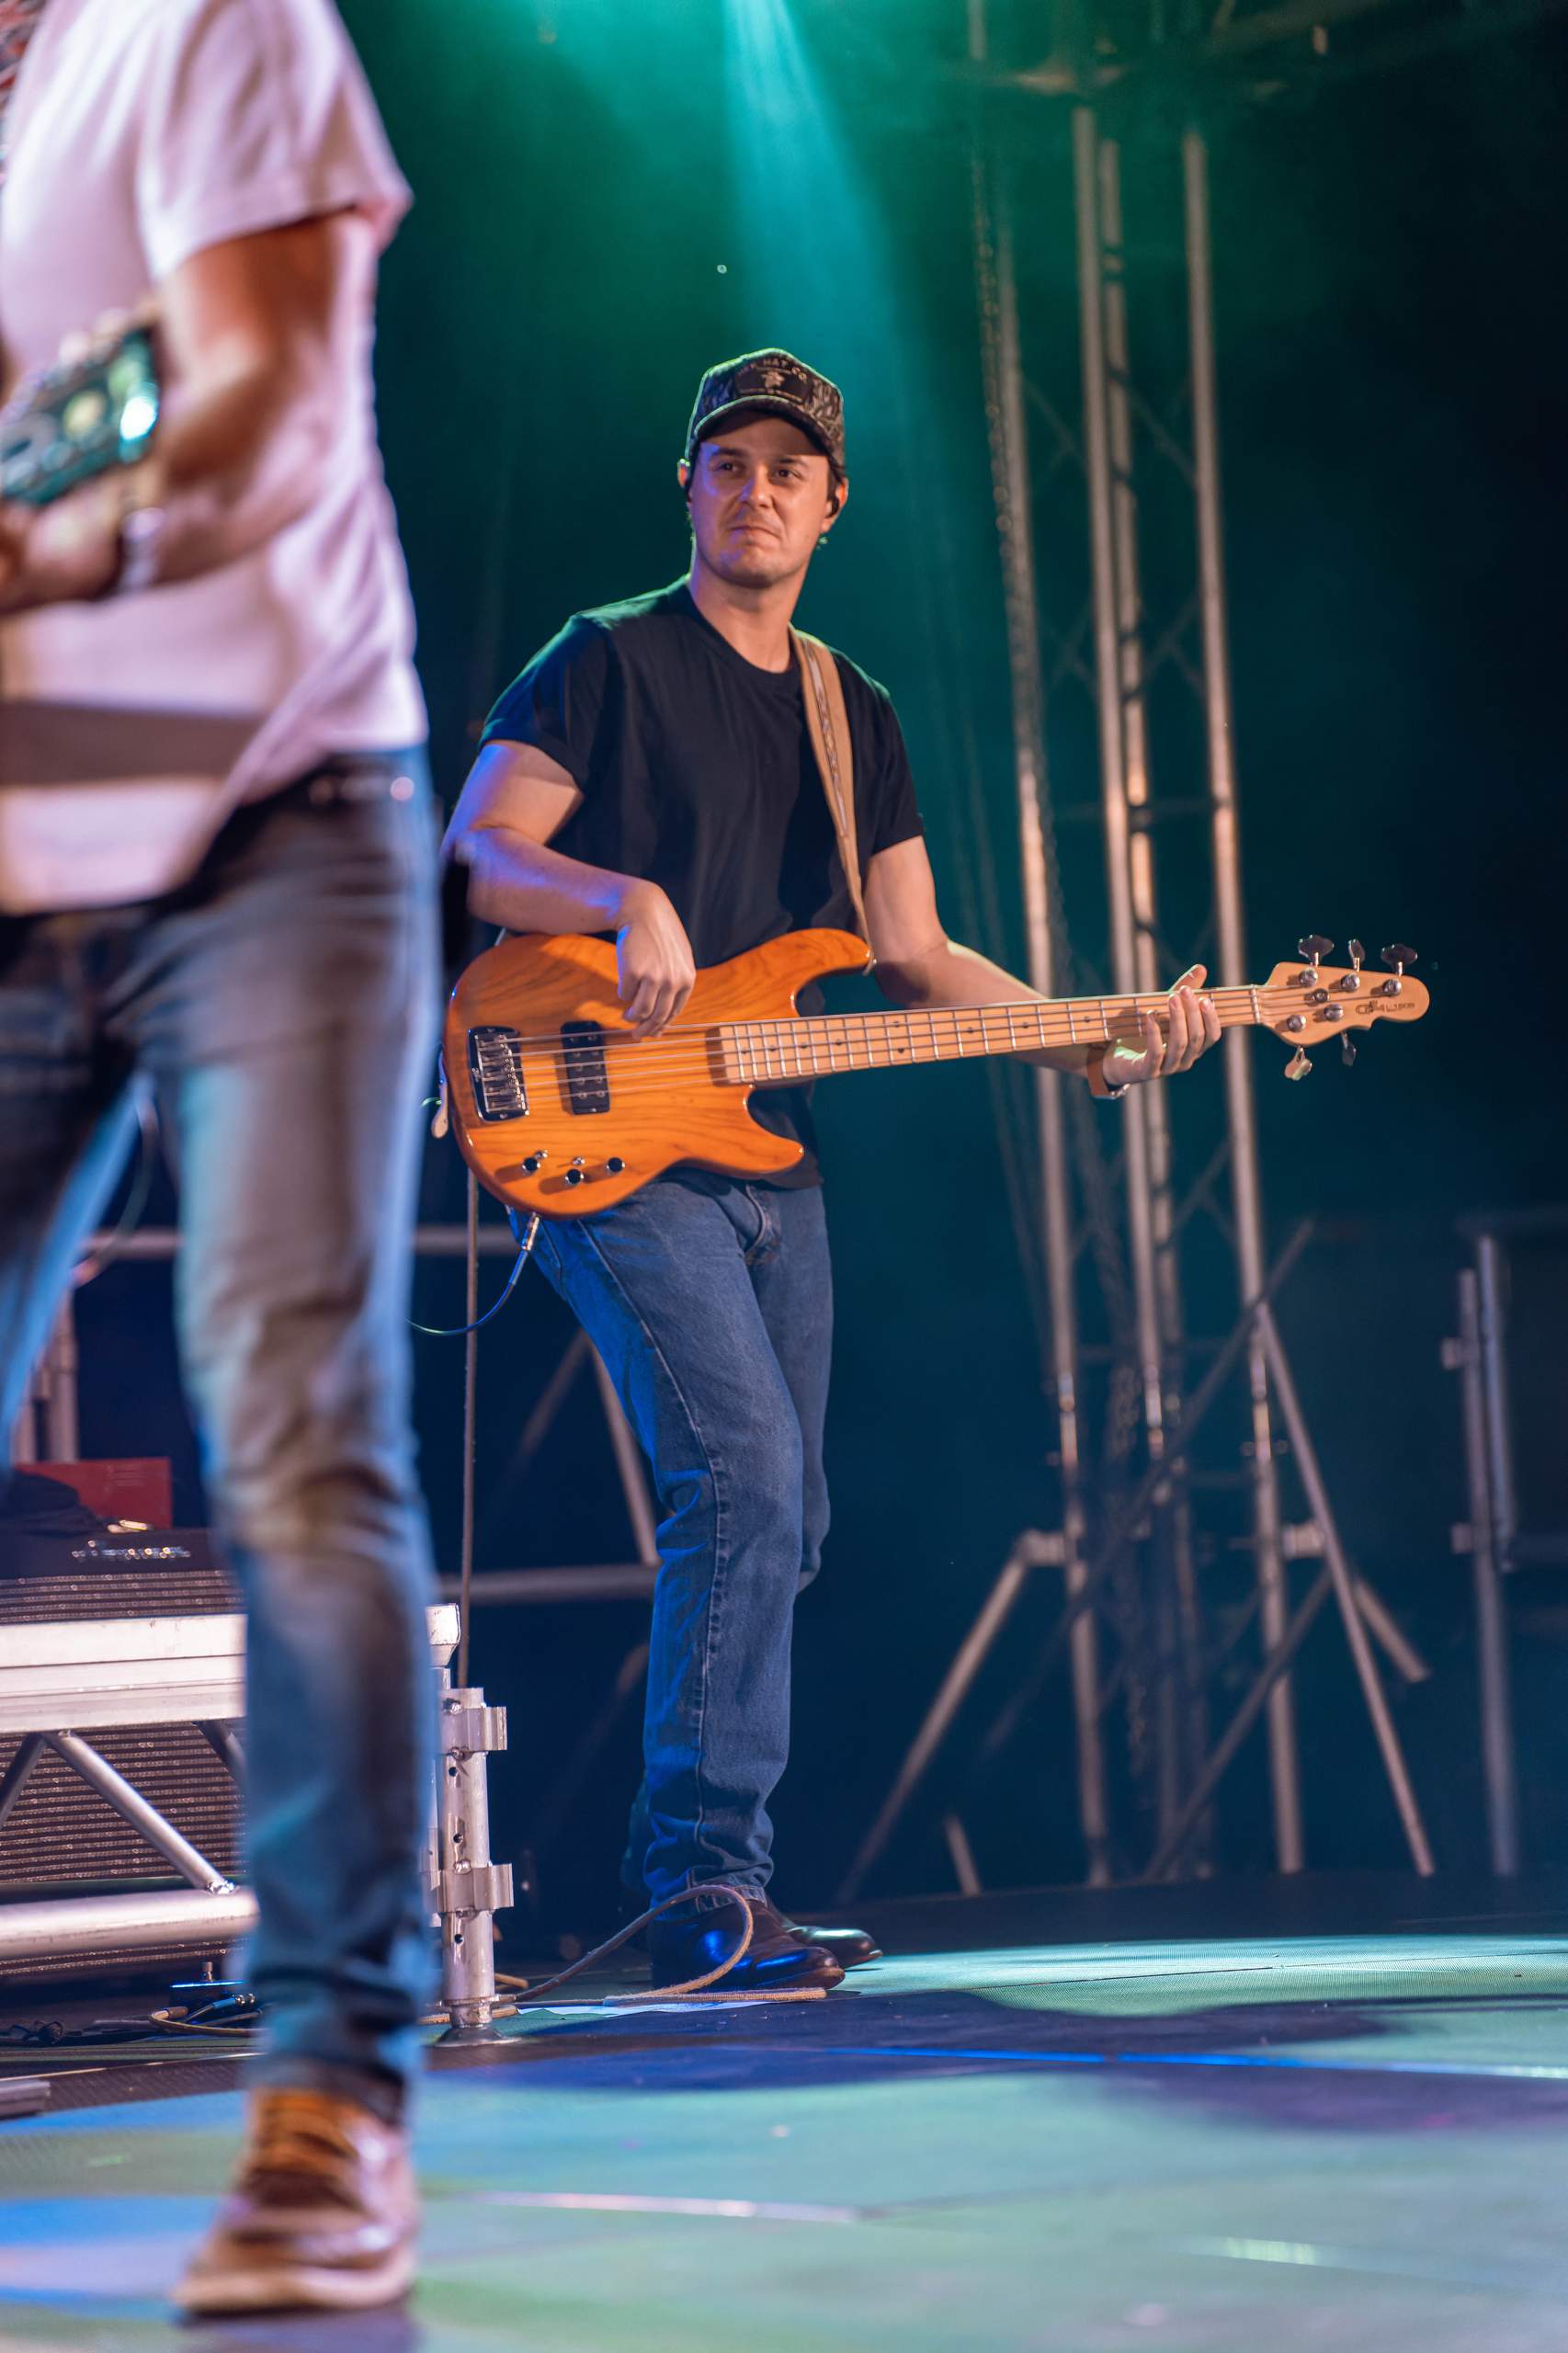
556 1107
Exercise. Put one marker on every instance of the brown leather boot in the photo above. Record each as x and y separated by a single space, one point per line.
322 2216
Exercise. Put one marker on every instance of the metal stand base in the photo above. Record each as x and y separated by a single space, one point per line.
191 1670
467 1888
1032 1550
1363 1616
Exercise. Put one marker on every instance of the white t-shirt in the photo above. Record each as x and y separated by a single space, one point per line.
139 132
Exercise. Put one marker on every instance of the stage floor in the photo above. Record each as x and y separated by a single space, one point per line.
1262 2143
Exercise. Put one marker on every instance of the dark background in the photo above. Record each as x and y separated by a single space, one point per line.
612 197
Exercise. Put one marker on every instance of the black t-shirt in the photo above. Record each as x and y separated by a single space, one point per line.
697 773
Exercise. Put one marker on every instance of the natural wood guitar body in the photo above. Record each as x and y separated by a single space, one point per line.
556 1108
671 1099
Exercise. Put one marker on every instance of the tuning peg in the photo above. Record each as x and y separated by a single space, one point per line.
1314 947
1299 1064
1348 1049
1396 958
1358 954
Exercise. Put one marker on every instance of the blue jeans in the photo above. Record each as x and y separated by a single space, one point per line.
711 1302
283 1005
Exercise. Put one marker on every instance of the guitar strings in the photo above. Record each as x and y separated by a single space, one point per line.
1066 1016
1060 1008
780 1054
813 1043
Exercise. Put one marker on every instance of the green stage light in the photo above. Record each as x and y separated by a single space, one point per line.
810 252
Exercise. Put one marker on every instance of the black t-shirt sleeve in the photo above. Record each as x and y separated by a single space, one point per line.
886 809
557 704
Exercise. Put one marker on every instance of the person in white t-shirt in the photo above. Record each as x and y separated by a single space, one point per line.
217 876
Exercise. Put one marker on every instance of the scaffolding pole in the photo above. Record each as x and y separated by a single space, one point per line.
1267 1520
1116 605
1011 486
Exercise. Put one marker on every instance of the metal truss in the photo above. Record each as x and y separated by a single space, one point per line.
1255 50
1105 468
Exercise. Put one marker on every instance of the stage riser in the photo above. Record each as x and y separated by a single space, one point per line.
60 1835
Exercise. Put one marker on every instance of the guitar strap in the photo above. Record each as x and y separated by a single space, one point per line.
827 724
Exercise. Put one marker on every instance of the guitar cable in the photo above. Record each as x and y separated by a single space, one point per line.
706 1986
437 1103
233 2015
460 1331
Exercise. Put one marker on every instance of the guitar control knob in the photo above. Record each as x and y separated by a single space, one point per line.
614 1168
534 1162
575 1176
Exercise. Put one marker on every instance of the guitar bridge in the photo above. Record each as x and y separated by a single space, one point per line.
495 1068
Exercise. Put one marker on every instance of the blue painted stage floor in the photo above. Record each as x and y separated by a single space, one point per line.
1247 2146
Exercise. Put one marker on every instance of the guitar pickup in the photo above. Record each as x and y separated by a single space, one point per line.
495 1069
588 1079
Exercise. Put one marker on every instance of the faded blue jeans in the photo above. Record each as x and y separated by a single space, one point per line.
711 1302
283 1006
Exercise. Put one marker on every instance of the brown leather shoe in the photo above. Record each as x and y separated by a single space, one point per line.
322 2216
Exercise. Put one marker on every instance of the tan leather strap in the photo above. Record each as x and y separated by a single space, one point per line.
828 722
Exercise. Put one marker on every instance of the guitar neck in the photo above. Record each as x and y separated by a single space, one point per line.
761 1054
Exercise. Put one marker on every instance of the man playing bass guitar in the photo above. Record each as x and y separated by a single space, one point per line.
653 774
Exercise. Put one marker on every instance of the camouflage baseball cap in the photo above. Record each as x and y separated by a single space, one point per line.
780 385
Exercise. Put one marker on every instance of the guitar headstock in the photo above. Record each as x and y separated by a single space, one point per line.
1309 1004
93 411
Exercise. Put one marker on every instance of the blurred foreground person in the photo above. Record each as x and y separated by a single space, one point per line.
216 876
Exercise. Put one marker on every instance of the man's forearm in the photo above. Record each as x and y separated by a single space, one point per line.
523 886
240 463
260 342
952 974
